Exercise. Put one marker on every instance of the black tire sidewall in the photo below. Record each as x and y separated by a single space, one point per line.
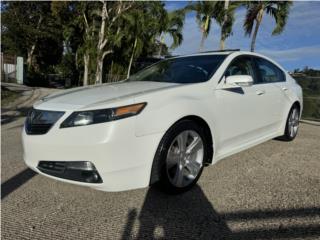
163 148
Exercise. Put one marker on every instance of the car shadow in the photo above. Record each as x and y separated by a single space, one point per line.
192 216
186 216
16 181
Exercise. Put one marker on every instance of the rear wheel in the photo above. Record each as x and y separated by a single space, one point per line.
182 152
292 125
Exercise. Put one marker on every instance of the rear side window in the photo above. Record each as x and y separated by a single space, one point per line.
242 65
268 72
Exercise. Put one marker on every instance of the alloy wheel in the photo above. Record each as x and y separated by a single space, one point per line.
185 158
293 122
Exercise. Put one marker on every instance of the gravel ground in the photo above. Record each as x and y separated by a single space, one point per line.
271 191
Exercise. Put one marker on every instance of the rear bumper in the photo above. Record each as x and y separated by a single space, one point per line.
122 159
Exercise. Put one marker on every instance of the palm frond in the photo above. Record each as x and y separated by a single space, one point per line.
252 13
280 13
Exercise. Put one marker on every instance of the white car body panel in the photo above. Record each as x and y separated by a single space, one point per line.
123 150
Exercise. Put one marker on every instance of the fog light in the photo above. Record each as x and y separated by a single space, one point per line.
82 171
87 166
91 176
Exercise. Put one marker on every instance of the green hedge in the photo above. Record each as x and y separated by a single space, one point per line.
311 97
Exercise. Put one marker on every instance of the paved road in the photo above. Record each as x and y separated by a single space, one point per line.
19 106
268 192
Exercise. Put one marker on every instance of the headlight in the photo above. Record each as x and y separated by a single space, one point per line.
83 118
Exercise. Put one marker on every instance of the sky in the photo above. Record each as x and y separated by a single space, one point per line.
296 47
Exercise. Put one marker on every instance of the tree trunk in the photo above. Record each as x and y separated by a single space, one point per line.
33 47
101 44
258 22
222 43
99 71
86 59
30 56
204 30
223 25
202 42
131 58
161 44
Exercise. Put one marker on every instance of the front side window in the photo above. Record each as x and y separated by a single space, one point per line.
192 69
268 72
241 66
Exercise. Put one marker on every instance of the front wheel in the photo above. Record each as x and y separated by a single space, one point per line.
182 152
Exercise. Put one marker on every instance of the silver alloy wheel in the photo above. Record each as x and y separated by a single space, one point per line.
293 123
185 158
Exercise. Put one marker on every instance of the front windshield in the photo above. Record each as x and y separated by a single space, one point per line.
192 69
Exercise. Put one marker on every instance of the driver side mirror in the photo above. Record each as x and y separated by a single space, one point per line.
239 81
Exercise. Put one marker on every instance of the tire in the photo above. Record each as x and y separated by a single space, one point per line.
180 157
292 124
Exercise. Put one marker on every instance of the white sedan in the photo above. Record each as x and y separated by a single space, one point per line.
163 124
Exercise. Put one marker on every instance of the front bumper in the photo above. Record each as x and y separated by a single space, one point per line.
122 159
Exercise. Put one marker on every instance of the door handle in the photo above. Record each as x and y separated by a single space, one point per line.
260 92
284 89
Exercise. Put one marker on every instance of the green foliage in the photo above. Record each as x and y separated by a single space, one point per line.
309 80
206 11
226 27
278 10
68 69
30 30
69 37
54 37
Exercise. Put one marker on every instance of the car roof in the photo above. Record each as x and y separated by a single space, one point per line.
207 53
233 52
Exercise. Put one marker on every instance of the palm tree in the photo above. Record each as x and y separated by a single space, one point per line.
206 11
226 19
172 24
279 10
142 26
136 31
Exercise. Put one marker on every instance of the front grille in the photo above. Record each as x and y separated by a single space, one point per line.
40 121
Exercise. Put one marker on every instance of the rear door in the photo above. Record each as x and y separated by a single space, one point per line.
273 81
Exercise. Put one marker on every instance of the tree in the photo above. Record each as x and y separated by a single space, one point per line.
29 26
279 10
226 19
136 30
172 24
70 16
145 23
109 15
206 12
91 37
87 49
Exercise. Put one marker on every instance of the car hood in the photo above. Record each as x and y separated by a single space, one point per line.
92 95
